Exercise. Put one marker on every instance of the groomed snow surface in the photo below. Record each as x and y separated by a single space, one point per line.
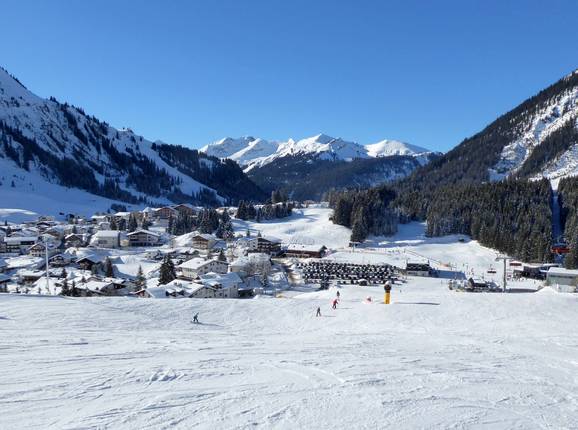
432 359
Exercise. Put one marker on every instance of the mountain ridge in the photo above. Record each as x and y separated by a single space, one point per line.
45 140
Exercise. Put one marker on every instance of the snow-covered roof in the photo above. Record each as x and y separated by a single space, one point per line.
4 278
19 239
195 263
560 271
225 279
306 248
268 239
152 233
205 236
107 234
159 292
94 285
3 263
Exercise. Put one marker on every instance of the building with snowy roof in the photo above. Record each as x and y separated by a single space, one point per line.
106 239
195 267
565 279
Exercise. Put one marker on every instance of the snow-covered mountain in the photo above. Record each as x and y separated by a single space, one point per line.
538 138
45 144
251 153
386 148
308 168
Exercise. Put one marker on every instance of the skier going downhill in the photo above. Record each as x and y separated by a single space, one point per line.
318 314
334 306
196 318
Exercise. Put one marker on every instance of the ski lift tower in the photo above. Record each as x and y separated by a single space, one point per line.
353 245
505 259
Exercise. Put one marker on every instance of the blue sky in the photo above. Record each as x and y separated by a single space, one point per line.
190 72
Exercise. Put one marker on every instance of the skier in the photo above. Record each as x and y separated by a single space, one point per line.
338 294
334 304
318 314
196 318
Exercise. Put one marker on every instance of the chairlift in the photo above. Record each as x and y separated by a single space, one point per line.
491 270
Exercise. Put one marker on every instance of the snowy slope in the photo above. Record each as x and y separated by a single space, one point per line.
431 359
558 111
250 152
46 142
386 148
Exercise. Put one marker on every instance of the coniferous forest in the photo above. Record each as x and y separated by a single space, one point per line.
512 216
568 200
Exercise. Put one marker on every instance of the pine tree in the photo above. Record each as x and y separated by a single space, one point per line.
222 256
132 223
167 271
65 291
73 290
108 268
140 278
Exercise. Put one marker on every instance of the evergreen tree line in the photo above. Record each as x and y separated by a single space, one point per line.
512 216
568 201
247 211
366 212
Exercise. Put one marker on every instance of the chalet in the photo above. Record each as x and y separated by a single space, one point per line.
196 267
418 269
57 232
106 239
3 249
19 244
204 241
87 262
143 238
60 260
185 209
29 277
3 265
266 244
94 288
305 251
194 290
38 250
564 279
151 293
225 285
165 212
74 240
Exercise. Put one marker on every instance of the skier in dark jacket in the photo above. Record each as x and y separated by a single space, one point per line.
338 295
196 318
318 314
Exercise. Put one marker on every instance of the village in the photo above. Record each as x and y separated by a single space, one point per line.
182 251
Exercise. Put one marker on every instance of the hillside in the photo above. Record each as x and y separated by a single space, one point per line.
43 141
537 138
